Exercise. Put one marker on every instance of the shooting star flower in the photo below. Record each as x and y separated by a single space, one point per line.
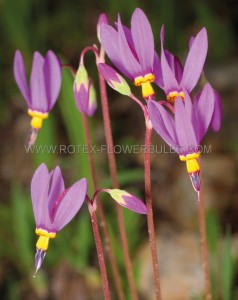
132 51
53 206
186 129
43 91
176 78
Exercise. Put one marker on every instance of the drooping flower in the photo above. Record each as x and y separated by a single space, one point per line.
53 206
84 92
43 91
176 78
132 51
185 130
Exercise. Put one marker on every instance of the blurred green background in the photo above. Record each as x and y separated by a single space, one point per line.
70 269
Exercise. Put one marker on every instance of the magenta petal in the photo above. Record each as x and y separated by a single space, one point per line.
157 71
110 43
162 122
56 187
81 97
174 64
37 84
130 63
143 39
195 61
170 82
134 204
53 76
217 114
188 104
204 108
70 204
20 77
184 128
108 73
39 196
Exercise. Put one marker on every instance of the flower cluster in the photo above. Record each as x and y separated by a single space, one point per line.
181 120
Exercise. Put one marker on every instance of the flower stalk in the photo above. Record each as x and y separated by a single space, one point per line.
150 220
113 172
204 247
103 224
101 260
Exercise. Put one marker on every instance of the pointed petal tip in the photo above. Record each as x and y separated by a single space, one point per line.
196 182
39 258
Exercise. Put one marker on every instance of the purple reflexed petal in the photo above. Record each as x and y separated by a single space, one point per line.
162 122
20 76
101 20
191 40
178 69
81 97
204 107
170 82
56 187
157 71
174 64
195 61
70 204
39 196
110 43
92 102
53 77
134 204
143 39
188 104
130 63
184 128
37 84
217 114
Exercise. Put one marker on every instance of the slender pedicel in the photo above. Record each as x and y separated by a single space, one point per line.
204 246
113 172
108 245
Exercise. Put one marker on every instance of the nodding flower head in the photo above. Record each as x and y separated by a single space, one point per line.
176 78
53 206
44 88
185 130
84 92
132 50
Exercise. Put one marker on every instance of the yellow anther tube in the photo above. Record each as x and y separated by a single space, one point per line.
191 162
172 96
145 83
45 236
37 118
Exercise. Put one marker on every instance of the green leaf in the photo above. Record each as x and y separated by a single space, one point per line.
227 268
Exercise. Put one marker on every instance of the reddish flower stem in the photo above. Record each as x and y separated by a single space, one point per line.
100 254
103 224
203 237
113 172
150 220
